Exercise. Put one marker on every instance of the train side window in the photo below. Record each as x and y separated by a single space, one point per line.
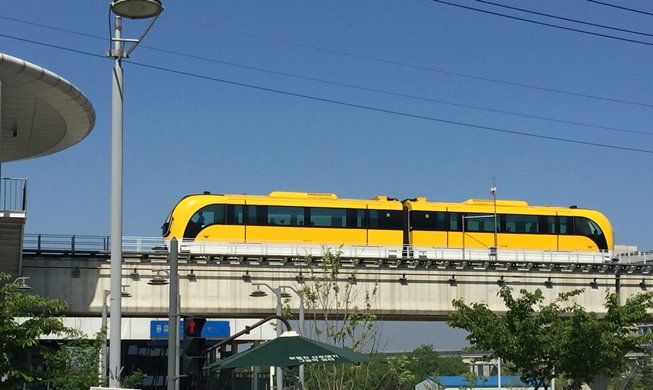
422 220
386 219
441 221
511 224
454 222
547 224
251 215
479 222
391 219
523 223
428 220
235 215
566 226
355 218
328 217
582 227
209 215
285 215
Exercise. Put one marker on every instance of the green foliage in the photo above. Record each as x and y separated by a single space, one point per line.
334 316
451 365
74 364
471 379
134 380
423 361
560 337
23 319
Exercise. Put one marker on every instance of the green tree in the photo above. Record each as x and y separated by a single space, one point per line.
24 318
560 337
74 364
451 365
334 316
133 380
423 361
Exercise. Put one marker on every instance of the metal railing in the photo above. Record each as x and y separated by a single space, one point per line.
134 246
13 194
62 243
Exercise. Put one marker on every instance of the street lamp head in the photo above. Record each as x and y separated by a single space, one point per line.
493 189
22 284
158 280
137 9
258 293
124 293
285 294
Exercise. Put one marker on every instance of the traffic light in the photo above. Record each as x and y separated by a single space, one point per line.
192 358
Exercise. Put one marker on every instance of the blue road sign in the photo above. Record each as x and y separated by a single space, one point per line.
211 330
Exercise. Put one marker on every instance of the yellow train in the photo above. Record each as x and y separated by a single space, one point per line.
317 219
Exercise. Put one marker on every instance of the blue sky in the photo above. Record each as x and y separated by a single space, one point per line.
405 99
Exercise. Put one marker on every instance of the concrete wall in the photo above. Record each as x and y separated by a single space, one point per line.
404 293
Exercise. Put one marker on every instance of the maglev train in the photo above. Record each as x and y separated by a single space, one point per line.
316 219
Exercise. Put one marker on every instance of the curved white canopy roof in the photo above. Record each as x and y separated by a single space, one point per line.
41 112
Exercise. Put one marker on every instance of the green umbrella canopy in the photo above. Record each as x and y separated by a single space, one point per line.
290 349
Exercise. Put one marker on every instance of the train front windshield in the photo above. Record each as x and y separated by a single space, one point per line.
588 228
165 228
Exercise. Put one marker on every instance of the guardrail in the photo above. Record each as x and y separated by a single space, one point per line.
13 194
60 243
146 247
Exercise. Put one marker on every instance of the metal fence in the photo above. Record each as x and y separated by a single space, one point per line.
87 243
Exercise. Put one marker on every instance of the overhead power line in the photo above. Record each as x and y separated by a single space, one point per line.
565 19
545 24
397 63
390 93
352 105
622 8
369 108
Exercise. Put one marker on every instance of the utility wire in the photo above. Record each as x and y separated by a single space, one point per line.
622 8
353 105
545 24
435 70
565 19
369 108
413 66
615 129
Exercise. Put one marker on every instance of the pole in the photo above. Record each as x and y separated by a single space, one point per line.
277 291
499 373
1 182
301 327
301 333
173 319
103 355
463 220
493 191
115 341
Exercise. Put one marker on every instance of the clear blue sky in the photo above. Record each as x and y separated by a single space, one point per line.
398 98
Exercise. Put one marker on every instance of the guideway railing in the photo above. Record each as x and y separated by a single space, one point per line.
71 244
56 244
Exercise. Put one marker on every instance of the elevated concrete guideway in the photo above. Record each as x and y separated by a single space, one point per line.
219 286
41 113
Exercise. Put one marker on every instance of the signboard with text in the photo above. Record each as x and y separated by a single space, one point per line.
213 329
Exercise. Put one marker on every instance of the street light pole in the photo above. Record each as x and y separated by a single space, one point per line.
103 355
173 318
499 373
134 9
278 293
301 327
493 191
115 340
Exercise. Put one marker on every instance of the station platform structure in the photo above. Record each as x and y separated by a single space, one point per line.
41 113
